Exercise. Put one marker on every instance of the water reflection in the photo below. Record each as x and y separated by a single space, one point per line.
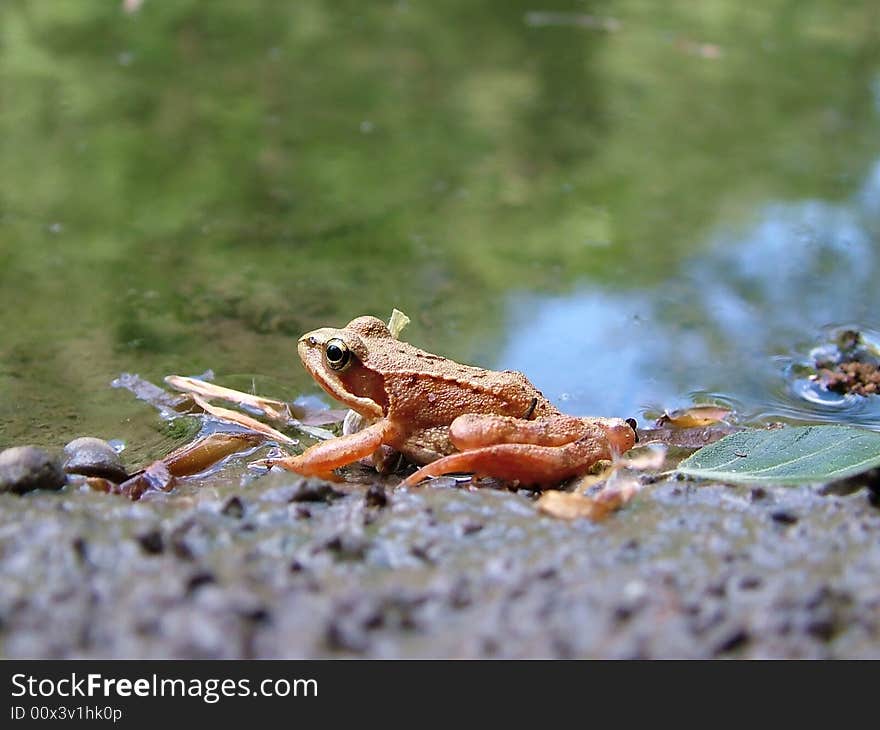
731 326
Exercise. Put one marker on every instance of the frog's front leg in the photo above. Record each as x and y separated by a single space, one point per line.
542 452
321 459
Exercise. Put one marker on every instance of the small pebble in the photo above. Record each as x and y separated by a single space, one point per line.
93 457
25 468
784 517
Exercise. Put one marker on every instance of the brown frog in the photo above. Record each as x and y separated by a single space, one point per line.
451 417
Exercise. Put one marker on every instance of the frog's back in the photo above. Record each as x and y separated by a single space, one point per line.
432 390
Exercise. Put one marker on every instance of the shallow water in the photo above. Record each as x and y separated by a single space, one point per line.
640 205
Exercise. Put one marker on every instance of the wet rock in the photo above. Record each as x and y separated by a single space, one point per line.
25 468
93 457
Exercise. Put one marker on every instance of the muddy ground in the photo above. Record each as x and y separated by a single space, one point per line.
278 566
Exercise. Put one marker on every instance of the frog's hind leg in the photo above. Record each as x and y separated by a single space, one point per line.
321 459
530 452
473 431
524 463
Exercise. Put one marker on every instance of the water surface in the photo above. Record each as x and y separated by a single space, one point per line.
640 205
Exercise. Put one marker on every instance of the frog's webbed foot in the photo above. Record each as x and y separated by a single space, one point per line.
321 459
540 452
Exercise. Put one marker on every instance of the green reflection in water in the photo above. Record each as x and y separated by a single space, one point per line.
194 185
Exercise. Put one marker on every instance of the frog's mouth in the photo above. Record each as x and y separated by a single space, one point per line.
311 351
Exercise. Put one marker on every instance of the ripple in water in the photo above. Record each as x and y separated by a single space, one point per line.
800 397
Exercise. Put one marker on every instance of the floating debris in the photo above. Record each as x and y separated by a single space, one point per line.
695 416
150 393
849 365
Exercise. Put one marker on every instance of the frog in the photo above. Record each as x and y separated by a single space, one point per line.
443 416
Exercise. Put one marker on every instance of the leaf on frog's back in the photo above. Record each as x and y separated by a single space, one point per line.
797 455
695 416
397 323
149 392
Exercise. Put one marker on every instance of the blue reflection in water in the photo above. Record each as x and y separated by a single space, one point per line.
728 327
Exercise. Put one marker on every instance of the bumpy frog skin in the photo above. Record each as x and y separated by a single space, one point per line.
453 418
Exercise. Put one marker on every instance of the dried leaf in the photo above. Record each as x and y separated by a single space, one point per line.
695 416
225 414
397 323
274 409
572 505
208 450
301 416
155 477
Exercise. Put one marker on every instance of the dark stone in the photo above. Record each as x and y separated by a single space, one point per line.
151 542
784 517
309 490
200 579
737 639
93 457
25 468
234 508
376 497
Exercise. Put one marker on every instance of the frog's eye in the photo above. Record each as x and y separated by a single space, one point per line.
337 354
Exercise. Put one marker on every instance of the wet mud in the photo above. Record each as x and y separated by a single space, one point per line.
278 566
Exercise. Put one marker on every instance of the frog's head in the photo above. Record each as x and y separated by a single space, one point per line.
339 361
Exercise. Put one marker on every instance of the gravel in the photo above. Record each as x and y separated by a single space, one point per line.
279 566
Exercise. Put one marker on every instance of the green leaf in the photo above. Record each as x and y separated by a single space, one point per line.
804 454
